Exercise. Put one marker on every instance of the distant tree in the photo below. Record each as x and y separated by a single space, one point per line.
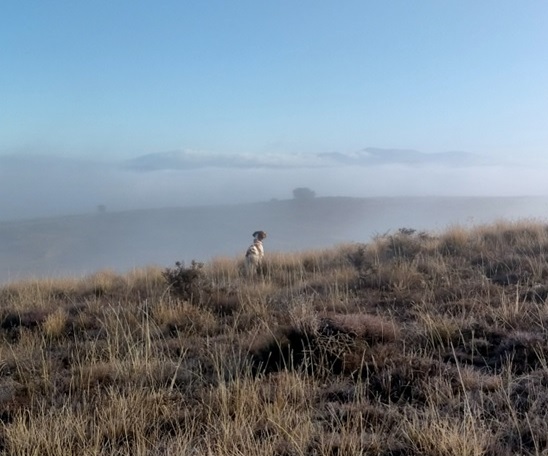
303 193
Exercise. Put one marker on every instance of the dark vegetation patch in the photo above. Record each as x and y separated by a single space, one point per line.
537 293
29 320
370 328
224 303
492 351
286 349
14 323
188 283
334 344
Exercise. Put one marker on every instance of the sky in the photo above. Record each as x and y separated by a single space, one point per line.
118 79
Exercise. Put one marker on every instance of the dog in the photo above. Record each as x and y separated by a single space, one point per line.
255 253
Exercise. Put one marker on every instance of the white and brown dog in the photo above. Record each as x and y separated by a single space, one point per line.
255 253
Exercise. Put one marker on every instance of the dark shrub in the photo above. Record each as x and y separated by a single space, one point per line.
185 282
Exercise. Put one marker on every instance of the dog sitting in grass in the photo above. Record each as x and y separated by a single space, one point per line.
255 253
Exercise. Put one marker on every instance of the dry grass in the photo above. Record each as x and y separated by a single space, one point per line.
414 344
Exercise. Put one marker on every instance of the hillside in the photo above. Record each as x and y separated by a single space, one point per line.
81 244
412 344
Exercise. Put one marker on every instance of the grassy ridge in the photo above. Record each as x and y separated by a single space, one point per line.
82 244
412 344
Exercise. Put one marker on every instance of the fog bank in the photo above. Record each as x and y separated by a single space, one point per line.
35 189
81 244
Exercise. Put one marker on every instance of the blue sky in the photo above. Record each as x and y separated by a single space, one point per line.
117 79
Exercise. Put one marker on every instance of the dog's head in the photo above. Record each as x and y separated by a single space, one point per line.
259 235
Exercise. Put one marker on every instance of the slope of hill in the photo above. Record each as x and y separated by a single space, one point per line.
77 245
413 344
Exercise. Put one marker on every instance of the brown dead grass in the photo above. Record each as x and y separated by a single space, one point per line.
414 344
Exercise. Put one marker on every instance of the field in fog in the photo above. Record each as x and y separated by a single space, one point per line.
81 244
414 344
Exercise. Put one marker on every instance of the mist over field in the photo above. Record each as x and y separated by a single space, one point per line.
41 186
71 217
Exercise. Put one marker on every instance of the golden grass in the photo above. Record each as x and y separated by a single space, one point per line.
413 344
430 434
54 324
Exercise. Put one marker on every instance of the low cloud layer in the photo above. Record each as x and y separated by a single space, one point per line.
34 186
188 159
